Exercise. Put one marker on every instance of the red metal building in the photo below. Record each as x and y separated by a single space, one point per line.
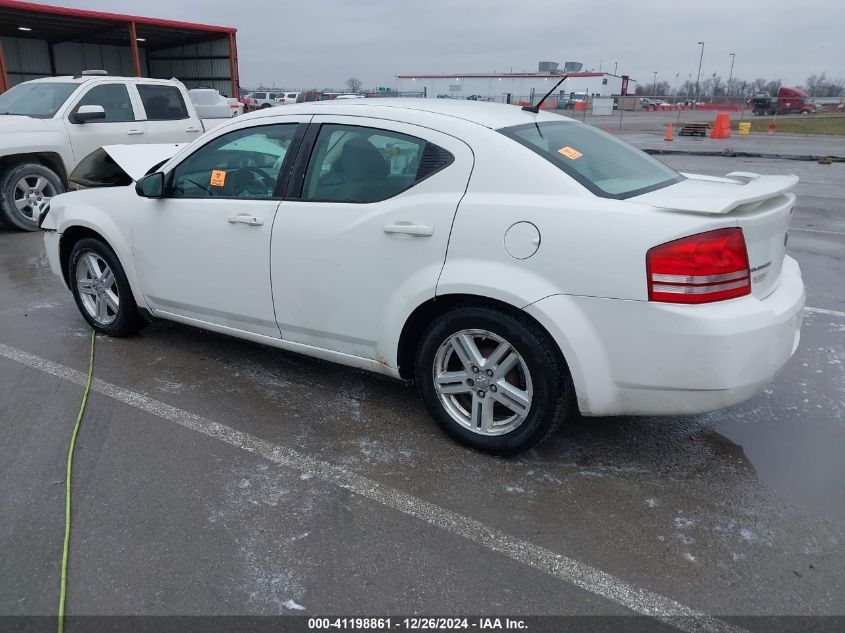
38 40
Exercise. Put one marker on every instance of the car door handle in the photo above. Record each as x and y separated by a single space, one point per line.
192 129
135 132
406 228
245 218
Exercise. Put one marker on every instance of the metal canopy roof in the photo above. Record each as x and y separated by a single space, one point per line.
62 24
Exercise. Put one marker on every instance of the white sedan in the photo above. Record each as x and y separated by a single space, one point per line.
517 266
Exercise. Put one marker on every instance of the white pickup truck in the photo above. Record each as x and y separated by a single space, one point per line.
47 126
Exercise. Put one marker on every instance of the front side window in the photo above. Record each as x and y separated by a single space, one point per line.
360 164
114 98
37 100
241 164
162 103
602 163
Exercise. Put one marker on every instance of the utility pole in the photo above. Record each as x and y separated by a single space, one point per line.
730 76
698 77
654 89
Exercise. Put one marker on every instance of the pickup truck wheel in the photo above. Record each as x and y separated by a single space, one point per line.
101 290
491 379
25 190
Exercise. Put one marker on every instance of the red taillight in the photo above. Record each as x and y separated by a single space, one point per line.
710 266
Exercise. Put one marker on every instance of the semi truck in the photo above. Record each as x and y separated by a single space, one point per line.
788 101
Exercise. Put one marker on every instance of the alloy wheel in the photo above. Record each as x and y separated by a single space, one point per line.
31 195
97 288
482 382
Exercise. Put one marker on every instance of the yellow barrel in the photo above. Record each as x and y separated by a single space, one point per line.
744 128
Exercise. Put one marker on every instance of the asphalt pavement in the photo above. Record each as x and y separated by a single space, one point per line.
218 477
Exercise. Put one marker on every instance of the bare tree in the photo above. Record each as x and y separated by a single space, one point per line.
821 86
353 84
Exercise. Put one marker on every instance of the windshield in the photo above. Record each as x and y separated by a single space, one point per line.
603 164
37 100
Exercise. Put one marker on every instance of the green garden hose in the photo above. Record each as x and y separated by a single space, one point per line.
63 588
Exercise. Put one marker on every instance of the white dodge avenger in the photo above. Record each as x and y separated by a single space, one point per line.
517 266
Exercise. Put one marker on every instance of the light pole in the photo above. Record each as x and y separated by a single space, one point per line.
731 75
654 89
698 77
615 64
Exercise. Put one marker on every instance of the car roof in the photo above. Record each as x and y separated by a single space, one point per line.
487 114
74 79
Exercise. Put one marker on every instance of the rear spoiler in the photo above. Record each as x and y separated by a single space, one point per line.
737 189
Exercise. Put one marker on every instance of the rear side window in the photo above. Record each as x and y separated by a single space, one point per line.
114 98
602 163
361 164
163 103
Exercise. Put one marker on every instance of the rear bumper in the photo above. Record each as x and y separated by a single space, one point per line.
644 358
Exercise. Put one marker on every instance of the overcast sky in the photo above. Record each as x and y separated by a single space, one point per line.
320 43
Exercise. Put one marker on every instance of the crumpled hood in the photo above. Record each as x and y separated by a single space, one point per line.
136 160
713 194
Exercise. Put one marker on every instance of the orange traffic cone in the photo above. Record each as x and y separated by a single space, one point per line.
668 132
772 129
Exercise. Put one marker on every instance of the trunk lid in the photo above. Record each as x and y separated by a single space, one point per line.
760 205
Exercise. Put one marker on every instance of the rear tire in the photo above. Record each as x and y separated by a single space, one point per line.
501 394
24 191
101 290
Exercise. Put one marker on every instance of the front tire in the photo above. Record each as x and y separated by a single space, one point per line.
101 290
25 190
492 380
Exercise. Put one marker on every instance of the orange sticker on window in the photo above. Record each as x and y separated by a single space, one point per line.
218 177
571 154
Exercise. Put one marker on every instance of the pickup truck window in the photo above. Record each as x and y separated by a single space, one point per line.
36 100
162 103
115 101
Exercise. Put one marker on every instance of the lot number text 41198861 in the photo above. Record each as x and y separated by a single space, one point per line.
415 624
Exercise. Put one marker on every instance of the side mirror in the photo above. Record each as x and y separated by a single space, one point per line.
151 185
88 113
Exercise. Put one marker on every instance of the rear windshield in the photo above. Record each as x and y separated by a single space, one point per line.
602 163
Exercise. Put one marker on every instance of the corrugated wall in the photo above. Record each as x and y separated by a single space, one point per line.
204 64
73 57
25 59
30 59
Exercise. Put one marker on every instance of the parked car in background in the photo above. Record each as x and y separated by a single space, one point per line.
517 266
262 99
210 104
647 103
288 98
309 96
349 95
841 107
48 125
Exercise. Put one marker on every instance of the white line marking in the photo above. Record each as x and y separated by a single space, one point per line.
824 311
795 228
559 566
